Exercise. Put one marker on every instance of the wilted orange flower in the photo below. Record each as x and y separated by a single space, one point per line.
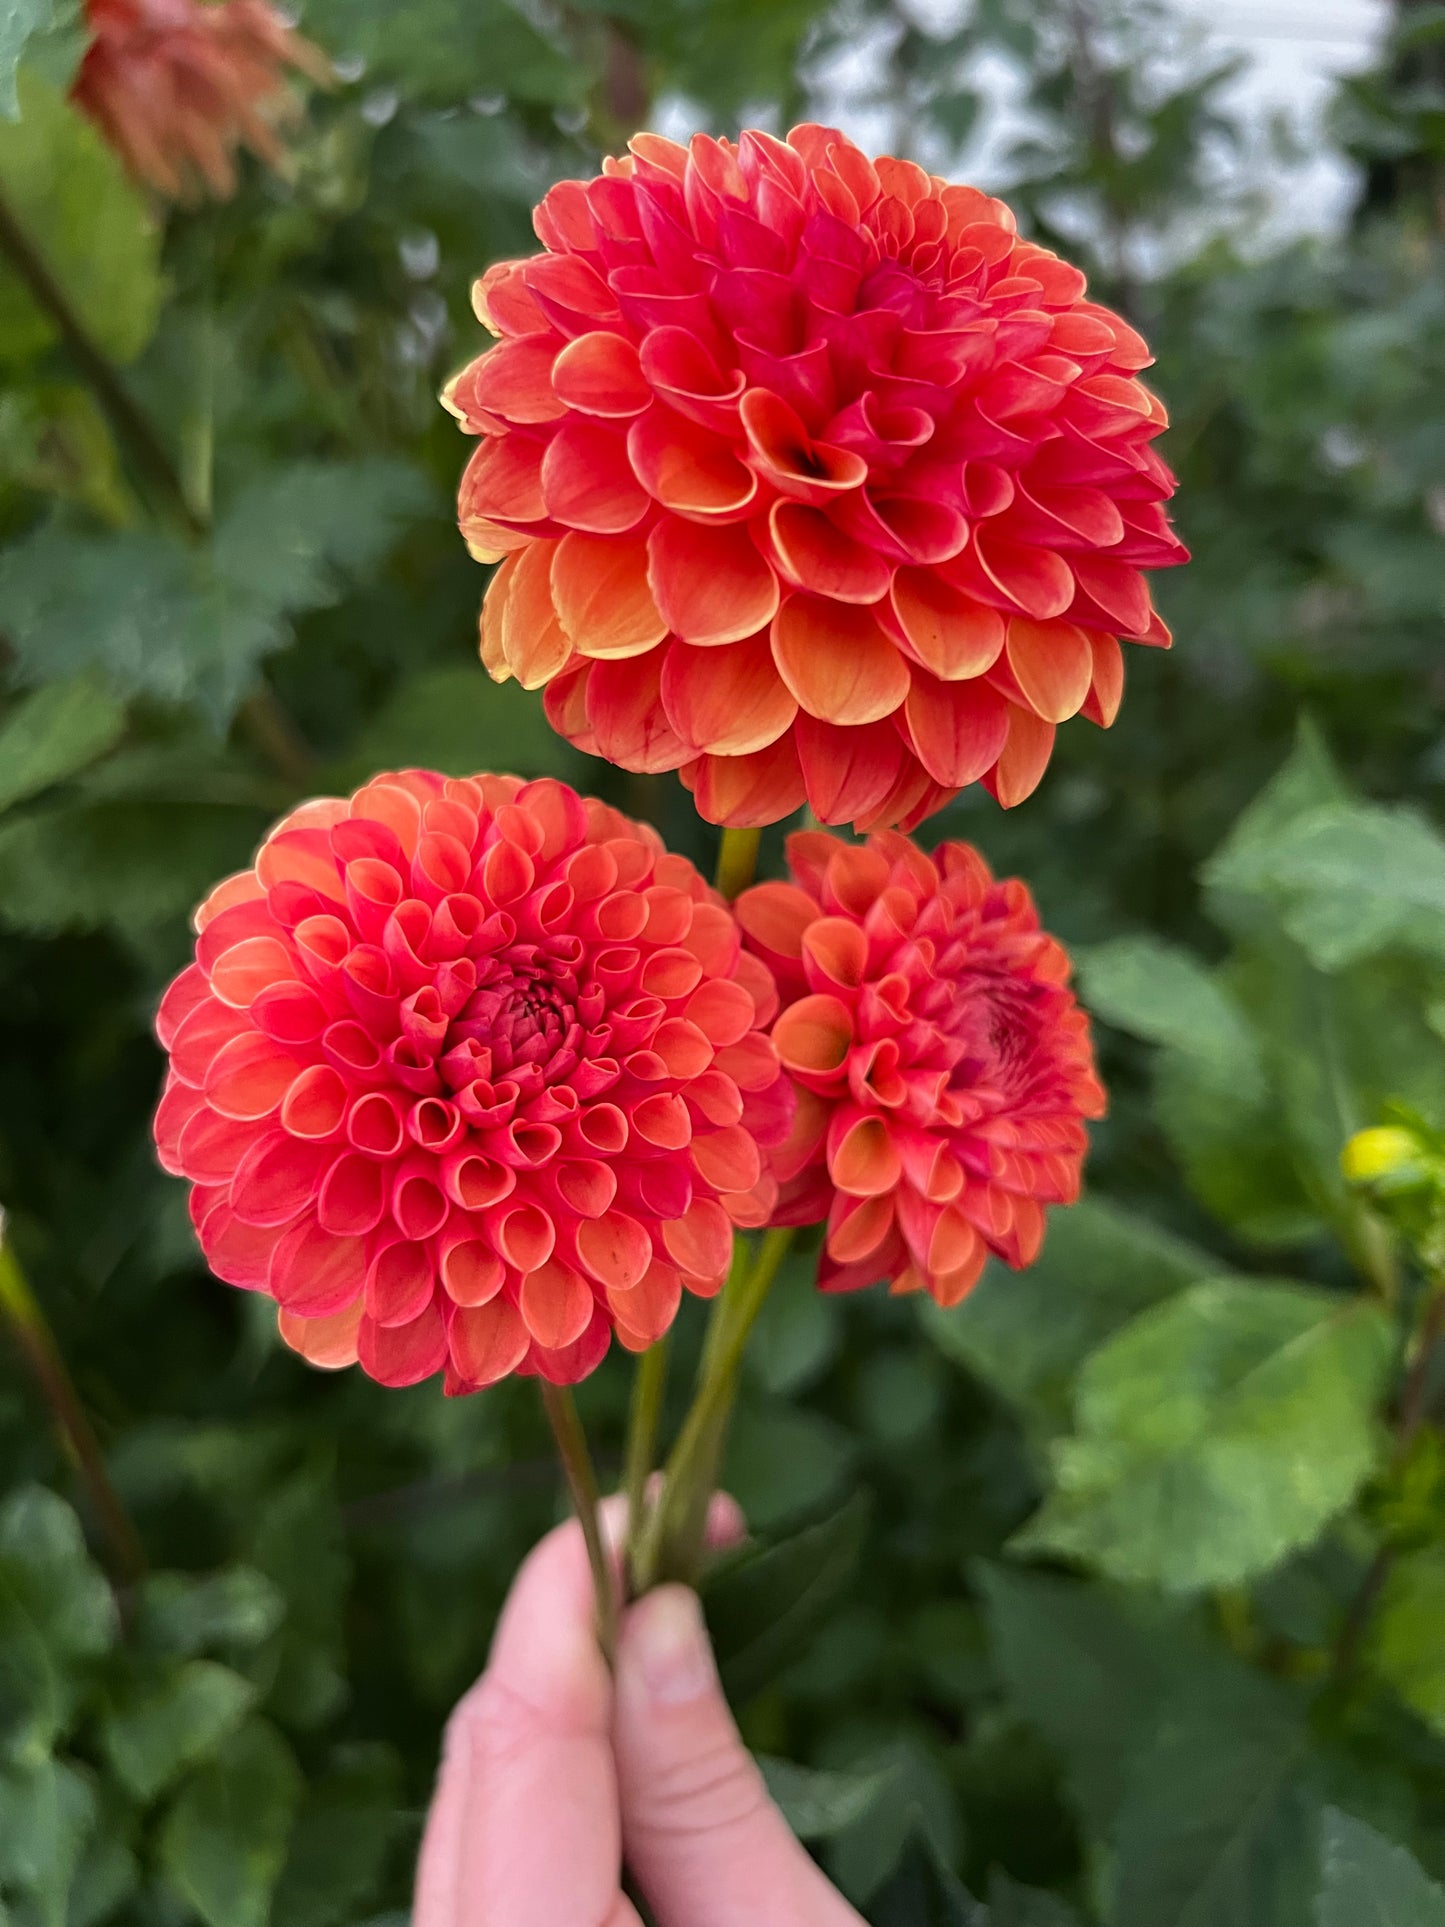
944 1069
811 479
467 1076
176 86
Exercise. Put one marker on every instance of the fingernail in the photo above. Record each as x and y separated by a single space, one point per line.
673 1652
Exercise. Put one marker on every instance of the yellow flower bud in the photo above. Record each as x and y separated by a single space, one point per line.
1382 1152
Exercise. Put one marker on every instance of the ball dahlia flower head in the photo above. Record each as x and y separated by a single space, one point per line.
469 1076
809 479
176 86
943 1067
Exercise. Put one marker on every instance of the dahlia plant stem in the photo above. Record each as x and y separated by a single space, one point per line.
672 1543
36 1343
562 1416
649 1381
96 368
737 861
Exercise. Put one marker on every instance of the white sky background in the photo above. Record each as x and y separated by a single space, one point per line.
1294 50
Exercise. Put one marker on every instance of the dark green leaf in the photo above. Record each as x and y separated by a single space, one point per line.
47 1812
54 733
782 1463
1369 1881
1405 1643
912 1808
342 1836
162 1726
817 1804
223 1612
57 1616
924 1892
224 1842
458 721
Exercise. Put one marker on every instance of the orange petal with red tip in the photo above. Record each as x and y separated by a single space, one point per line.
513 380
837 661
1119 590
1052 664
848 772
645 1310
1106 691
328 1343
502 483
600 374
729 702
615 1249
1033 582
534 643
700 1243
952 1287
624 706
774 916
587 481
471 1272
602 596
488 1341
787 455
556 1304
688 470
814 1035
958 729
949 632
1023 759
728 1159
838 951
862 1157
860 1226
747 792
711 584
816 555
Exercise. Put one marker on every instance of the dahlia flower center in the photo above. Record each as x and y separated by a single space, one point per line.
528 1013
993 1028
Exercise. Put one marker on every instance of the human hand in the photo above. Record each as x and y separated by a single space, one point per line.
552 1770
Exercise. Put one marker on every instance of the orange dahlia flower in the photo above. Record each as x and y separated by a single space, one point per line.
176 86
810 480
468 1076
943 1067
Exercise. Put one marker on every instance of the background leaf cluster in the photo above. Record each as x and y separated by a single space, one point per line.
1113 1597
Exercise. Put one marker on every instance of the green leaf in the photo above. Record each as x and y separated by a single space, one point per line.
1026 1333
52 734
224 1842
923 1891
180 1615
1369 1881
50 29
55 440
817 1804
163 1726
99 240
1217 1433
1010 1905
191 622
438 48
300 1545
57 1616
782 1462
1163 994
914 1804
19 19
458 721
341 1840
47 1813
765 1604
796 1333
1405 1647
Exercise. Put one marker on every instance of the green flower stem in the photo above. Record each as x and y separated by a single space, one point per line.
35 1342
649 1381
96 368
561 1410
672 1544
737 861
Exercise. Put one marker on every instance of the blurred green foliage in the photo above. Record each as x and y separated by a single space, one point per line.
1112 1597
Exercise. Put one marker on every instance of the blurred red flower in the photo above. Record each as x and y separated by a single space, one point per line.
859 478
176 86
468 1075
943 1067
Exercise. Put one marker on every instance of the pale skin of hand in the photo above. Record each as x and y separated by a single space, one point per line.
552 1769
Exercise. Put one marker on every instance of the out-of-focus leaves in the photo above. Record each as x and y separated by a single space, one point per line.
53 733
341 1839
163 1725
57 1614
923 1891
1369 1881
796 1332
1026 1333
766 1604
1405 1644
458 721
47 1811
817 1804
1010 1905
224 1842
49 29
180 1615
782 1463
54 440
70 193
1164 995
913 1806
300 1546
442 49
191 622
1217 1433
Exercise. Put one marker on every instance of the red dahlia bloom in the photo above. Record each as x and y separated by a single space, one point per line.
943 1068
467 1076
176 86
859 479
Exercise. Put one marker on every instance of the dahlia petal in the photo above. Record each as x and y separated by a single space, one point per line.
400 1281
205 1028
949 633
210 1146
951 1288
749 791
354 1195
501 484
587 481
327 1343
1053 664
857 1227
814 1036
1106 689
799 467
728 1159
487 1341
683 373
729 702
700 1242
586 1186
185 994
315 1274
289 1013
774 916
471 1274
602 595
848 772
837 661
862 1157
248 1077
686 469
958 729
815 554
629 724
570 1363
513 380
179 1104
600 374
403 1354
645 1311
835 951
238 1253
1023 759
275 1179
556 1304
710 583
615 1249
1120 591
524 1235
534 644
1028 581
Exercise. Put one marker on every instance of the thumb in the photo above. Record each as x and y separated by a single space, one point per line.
706 1843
